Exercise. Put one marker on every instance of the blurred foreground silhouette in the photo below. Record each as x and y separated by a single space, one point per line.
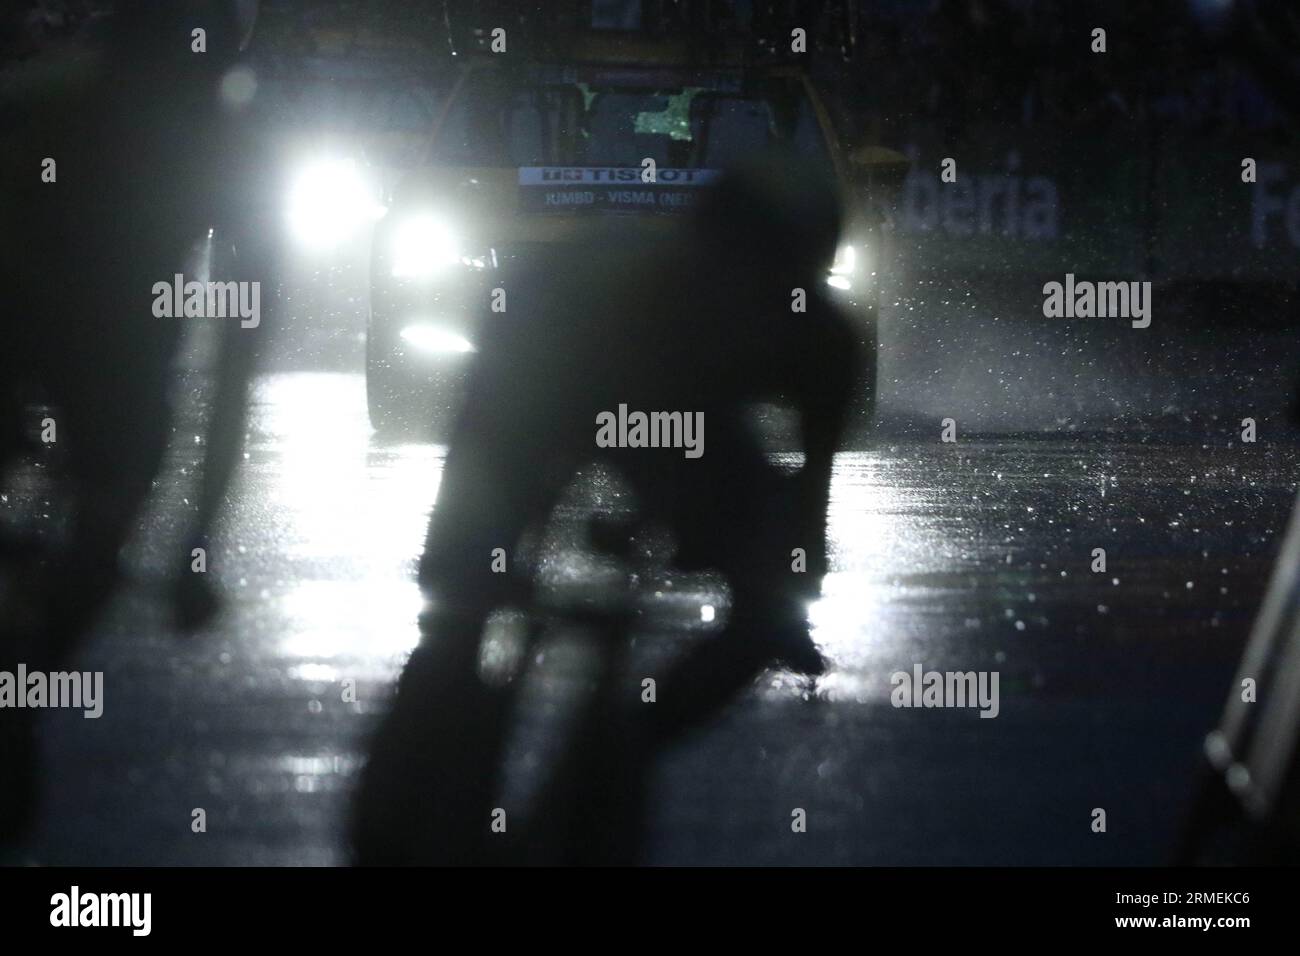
702 324
1246 809
130 118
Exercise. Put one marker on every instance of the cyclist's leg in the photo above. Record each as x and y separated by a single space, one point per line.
736 515
764 622
433 764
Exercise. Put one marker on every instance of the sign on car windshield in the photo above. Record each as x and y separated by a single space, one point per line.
568 189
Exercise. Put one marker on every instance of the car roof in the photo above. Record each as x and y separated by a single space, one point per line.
635 51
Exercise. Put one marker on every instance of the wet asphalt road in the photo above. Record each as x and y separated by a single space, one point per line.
966 556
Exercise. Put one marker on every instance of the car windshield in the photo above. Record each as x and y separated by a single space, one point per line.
548 118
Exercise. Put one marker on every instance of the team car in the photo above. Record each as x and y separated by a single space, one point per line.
528 153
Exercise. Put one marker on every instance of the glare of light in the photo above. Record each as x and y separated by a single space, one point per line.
432 339
238 87
368 618
329 202
845 261
707 613
839 282
332 501
321 673
854 620
422 246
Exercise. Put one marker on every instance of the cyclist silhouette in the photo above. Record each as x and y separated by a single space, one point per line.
700 324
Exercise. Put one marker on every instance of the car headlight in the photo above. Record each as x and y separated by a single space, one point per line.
423 245
845 261
330 201
843 268
429 338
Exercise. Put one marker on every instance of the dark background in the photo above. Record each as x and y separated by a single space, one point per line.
1138 152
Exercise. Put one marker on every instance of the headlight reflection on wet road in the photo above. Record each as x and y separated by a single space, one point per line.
969 557
347 514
